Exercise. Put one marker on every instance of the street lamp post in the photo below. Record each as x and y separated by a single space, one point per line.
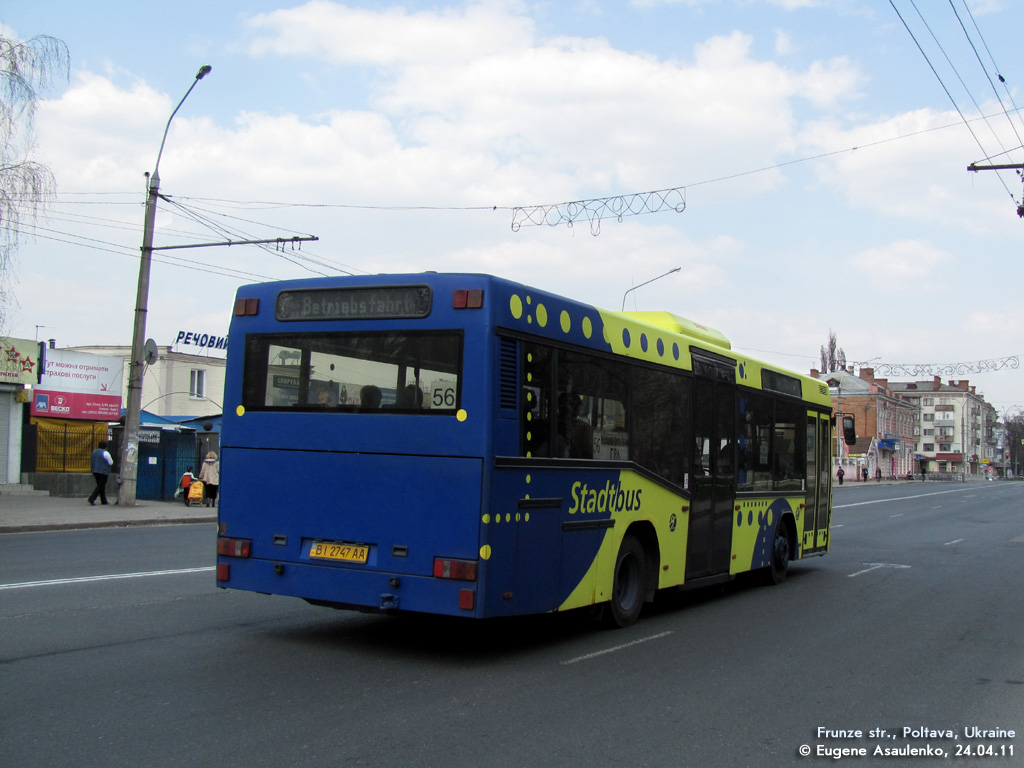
129 467
648 282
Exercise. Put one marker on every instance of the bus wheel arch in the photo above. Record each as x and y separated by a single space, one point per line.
634 575
783 547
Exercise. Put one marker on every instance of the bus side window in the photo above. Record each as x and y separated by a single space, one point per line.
535 422
660 400
756 420
595 391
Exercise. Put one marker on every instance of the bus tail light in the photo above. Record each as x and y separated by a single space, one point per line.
460 570
223 571
472 298
234 547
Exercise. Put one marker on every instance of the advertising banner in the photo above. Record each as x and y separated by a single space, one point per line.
82 372
76 405
18 361
77 385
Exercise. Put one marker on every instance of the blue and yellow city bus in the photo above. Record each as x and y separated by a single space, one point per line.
461 444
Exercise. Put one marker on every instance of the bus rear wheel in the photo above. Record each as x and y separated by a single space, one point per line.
628 584
781 554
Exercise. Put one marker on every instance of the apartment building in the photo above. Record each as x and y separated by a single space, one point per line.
886 425
915 427
959 432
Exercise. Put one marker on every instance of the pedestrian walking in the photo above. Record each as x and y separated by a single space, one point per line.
878 474
840 474
210 476
864 474
100 462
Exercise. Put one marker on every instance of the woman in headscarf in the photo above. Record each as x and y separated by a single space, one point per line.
210 476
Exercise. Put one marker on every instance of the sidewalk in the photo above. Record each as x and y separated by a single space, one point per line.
40 512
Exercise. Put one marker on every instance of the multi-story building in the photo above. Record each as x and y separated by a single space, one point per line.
885 425
915 427
958 431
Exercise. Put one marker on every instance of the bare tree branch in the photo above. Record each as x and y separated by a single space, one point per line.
26 186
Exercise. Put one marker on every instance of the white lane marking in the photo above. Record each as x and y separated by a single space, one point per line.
899 498
899 515
595 654
954 541
875 567
83 579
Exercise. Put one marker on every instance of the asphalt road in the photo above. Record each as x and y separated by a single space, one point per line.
913 620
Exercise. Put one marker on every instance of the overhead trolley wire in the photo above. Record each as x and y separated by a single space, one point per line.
124 250
995 68
942 83
227 232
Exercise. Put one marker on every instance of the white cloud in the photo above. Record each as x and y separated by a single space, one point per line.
904 266
561 118
829 83
602 118
911 166
91 134
339 34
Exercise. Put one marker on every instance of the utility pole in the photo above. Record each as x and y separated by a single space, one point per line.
974 168
129 467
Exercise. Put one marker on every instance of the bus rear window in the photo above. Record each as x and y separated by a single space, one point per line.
412 372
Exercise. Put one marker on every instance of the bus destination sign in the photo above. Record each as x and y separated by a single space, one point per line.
392 301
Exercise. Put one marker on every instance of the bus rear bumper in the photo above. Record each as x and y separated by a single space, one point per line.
363 590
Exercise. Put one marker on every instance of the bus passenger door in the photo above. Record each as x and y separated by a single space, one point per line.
712 479
823 512
819 483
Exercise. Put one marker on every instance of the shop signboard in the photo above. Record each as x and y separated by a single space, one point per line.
19 359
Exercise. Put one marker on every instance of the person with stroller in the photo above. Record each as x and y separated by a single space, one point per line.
210 477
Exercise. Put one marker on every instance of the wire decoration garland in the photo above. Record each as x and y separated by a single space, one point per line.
597 209
886 370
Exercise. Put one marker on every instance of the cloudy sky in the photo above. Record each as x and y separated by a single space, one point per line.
816 151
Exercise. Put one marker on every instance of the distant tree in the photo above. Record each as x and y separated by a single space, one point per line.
832 357
1014 430
26 186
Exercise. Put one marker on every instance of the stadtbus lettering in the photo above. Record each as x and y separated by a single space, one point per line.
611 498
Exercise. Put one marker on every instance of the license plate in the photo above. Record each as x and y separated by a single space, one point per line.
339 551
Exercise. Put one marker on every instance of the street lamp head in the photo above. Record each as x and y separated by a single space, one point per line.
203 71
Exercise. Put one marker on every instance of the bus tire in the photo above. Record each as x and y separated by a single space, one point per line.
781 554
628 584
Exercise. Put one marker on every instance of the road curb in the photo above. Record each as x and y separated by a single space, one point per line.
75 526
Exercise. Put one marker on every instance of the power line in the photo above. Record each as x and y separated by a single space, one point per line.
942 83
995 67
170 260
617 205
227 232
